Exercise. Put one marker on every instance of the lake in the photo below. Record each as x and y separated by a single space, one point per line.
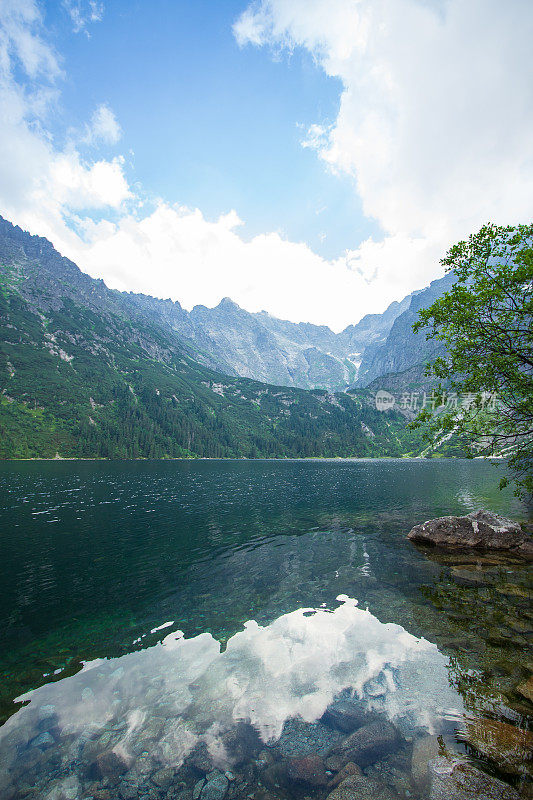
226 629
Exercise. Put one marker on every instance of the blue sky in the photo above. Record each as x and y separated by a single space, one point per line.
211 124
313 158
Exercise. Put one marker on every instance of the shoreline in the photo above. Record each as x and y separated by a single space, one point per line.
245 458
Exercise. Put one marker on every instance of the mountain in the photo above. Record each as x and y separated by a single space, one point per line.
262 347
90 372
404 351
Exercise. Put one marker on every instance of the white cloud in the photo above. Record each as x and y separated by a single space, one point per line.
434 124
175 252
103 127
436 113
42 186
83 13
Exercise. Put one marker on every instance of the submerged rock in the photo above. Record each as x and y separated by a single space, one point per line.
424 750
511 748
215 787
300 738
456 780
110 764
349 769
308 770
526 688
479 530
346 714
369 743
359 787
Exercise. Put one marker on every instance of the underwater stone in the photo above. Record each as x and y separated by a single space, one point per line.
242 742
424 750
43 741
526 689
309 770
359 787
163 777
306 738
508 746
369 743
456 780
110 764
215 787
198 786
46 711
349 769
346 714
200 757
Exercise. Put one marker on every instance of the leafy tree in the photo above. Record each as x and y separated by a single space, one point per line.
485 323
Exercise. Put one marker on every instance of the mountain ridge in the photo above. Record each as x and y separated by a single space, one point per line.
85 372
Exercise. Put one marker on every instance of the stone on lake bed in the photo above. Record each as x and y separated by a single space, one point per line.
43 741
110 764
479 530
163 777
349 769
346 714
369 743
215 787
526 688
457 780
425 750
300 738
359 787
506 745
307 770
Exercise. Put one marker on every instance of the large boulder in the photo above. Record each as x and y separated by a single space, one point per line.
369 744
308 770
510 747
346 714
479 530
457 780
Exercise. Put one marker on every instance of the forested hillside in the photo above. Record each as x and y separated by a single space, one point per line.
84 372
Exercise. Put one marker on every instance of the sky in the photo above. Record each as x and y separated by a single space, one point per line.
312 158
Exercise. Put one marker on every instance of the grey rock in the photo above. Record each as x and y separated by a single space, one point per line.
197 788
424 750
346 714
308 770
457 780
128 791
479 530
64 789
305 738
163 777
43 741
369 743
110 764
200 757
215 787
241 742
359 787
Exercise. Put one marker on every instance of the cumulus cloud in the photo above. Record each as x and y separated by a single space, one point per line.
433 124
103 127
41 186
176 252
436 111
